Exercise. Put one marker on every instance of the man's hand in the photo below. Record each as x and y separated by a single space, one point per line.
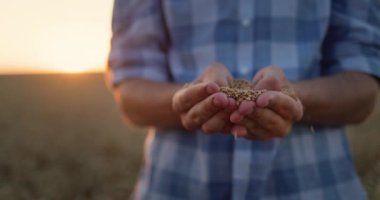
273 113
201 105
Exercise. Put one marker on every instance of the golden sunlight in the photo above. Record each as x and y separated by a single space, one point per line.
72 48
44 36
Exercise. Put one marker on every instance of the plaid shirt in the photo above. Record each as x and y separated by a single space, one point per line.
174 40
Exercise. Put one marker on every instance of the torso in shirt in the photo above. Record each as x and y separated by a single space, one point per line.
245 35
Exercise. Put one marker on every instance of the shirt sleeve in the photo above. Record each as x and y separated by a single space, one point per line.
139 42
353 38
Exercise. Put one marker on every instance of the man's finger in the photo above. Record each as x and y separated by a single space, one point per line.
269 121
250 133
239 131
191 95
204 110
270 78
246 107
255 131
282 104
268 82
236 117
217 123
217 73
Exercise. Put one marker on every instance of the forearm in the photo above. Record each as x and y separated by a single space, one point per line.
148 103
341 99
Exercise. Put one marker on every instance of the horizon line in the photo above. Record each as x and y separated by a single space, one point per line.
51 73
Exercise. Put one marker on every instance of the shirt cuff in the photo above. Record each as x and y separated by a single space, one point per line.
116 75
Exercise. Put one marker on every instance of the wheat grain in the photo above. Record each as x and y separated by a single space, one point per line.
242 90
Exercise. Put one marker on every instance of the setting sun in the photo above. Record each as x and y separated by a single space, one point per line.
44 36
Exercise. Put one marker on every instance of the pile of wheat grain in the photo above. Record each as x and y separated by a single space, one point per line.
242 90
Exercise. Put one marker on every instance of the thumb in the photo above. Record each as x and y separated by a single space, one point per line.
270 78
268 82
217 73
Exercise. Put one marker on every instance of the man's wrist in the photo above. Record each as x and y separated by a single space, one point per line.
302 96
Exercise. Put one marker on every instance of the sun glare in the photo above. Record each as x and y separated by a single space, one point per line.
54 40
71 48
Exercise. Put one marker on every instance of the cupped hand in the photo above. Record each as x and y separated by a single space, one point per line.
273 113
200 105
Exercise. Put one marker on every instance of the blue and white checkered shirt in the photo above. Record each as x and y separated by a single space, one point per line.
174 40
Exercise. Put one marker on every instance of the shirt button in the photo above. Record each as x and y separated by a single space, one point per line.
245 70
246 22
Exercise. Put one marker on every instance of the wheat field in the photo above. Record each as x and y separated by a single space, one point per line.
62 137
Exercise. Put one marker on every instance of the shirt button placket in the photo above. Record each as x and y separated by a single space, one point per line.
242 154
246 22
244 51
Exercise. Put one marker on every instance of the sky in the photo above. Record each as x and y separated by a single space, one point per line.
48 36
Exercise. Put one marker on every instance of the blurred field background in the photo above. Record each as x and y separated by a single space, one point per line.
62 137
